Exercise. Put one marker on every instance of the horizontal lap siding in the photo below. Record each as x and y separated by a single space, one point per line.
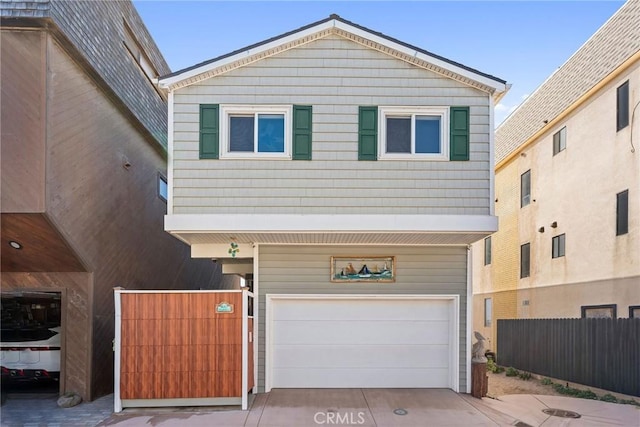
335 76
306 270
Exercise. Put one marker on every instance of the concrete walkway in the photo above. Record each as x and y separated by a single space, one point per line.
327 407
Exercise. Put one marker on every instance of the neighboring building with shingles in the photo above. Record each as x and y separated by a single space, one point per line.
351 171
83 168
568 191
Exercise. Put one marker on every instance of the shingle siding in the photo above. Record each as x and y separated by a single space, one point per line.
335 76
89 24
616 41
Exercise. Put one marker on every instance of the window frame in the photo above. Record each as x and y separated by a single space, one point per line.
558 246
622 115
162 178
525 198
488 312
487 250
561 144
442 112
622 227
226 111
528 263
632 311
612 307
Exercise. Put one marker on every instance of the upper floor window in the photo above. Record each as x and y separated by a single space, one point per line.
557 246
414 133
525 188
249 131
525 260
162 187
622 213
488 309
622 110
560 140
487 251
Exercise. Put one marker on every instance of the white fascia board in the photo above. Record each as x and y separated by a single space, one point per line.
279 223
496 85
166 83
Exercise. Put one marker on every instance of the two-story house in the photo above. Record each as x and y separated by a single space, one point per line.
83 139
567 191
346 173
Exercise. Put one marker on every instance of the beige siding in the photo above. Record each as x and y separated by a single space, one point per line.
306 270
335 76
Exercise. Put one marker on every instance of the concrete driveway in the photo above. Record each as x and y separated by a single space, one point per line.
327 407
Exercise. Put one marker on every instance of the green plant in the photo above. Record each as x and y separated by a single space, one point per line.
546 381
586 394
493 367
525 376
512 372
609 398
629 402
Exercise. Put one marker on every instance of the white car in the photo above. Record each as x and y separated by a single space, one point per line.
30 355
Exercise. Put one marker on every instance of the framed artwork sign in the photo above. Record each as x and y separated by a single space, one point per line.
363 269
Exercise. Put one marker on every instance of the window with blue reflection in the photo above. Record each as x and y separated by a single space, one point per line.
271 133
427 134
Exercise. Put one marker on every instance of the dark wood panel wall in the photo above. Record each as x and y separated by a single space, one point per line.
102 193
76 297
22 116
175 345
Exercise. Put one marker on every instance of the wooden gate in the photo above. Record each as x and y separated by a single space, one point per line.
183 348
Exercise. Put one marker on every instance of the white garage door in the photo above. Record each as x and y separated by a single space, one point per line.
361 341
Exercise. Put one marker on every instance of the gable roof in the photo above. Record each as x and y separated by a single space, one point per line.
334 25
616 43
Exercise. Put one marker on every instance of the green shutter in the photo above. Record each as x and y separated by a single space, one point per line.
459 135
209 131
302 132
368 133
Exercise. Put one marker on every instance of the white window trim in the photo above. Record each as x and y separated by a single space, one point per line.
227 110
443 112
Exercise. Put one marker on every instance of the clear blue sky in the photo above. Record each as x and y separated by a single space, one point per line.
522 42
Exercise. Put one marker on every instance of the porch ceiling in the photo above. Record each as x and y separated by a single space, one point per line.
335 238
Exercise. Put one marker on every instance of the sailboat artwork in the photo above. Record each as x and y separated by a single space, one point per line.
365 269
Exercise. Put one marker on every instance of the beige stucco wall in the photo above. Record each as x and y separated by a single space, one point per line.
577 189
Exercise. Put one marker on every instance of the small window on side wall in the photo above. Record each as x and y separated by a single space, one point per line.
487 251
557 246
162 187
622 106
605 311
634 312
525 188
560 140
622 213
488 308
525 260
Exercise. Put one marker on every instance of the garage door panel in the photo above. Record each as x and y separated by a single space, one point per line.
360 332
353 309
360 378
341 341
361 356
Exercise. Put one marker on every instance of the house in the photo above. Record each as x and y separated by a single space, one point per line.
344 174
568 191
83 182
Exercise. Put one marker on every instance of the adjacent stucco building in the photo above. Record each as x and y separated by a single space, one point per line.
568 191
345 173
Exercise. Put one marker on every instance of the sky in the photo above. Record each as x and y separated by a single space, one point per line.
522 42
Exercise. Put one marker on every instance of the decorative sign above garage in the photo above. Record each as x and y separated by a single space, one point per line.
363 269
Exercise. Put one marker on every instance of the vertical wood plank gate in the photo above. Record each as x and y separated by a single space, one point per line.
183 348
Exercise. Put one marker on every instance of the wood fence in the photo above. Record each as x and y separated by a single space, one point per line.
602 353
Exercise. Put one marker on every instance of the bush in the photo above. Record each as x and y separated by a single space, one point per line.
586 394
493 367
512 372
609 398
546 381
525 376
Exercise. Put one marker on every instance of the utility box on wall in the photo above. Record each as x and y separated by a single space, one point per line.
183 348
